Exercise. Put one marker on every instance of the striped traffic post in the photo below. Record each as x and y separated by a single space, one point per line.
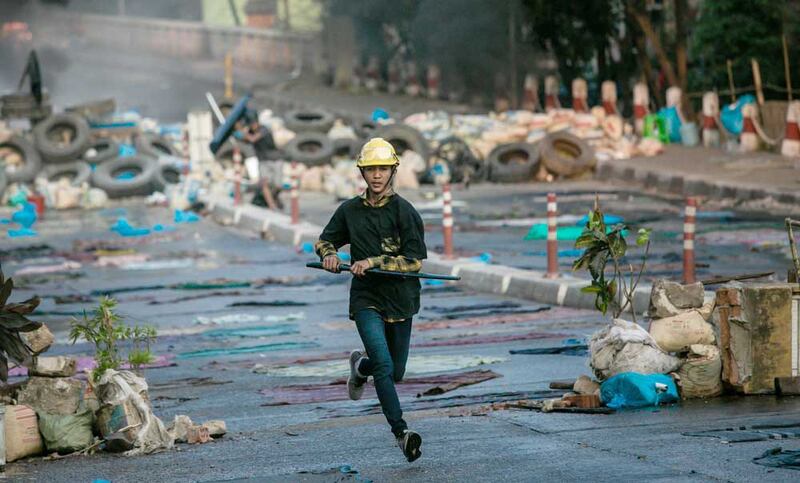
295 195
447 220
688 240
552 236
237 175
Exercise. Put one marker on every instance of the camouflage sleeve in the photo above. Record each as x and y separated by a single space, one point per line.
395 264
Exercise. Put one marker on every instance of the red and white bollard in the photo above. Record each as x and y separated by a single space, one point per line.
551 101
530 94
748 140
357 79
447 220
641 101
373 74
186 153
411 80
580 91
710 115
552 236
295 195
688 240
608 95
237 175
790 147
393 77
433 79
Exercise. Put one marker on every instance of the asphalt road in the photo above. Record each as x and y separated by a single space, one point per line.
313 439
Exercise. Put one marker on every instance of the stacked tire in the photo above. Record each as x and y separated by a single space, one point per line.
31 161
62 138
513 162
140 180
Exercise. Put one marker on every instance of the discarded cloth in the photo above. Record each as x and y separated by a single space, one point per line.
569 350
624 346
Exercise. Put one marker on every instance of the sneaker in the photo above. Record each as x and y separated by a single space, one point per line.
409 442
355 383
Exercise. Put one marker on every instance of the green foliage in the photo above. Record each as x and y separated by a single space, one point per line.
740 30
605 248
104 330
13 320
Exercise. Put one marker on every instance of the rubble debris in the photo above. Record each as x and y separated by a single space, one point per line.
66 433
569 349
633 390
562 384
624 346
197 435
585 385
38 340
22 436
124 403
668 299
584 401
216 428
677 333
54 395
57 366
700 375
179 428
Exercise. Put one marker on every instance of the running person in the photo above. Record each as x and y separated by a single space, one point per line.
385 232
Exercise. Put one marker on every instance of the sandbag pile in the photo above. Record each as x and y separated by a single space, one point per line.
680 325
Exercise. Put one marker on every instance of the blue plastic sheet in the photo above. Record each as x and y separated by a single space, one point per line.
124 228
380 115
26 216
731 114
181 216
634 390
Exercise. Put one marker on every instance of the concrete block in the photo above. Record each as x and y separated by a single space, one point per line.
729 296
215 427
58 366
54 395
758 343
668 299
39 340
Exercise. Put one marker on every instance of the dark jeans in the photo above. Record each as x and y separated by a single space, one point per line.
387 352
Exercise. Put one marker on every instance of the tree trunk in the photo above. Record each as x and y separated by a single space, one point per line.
647 66
655 40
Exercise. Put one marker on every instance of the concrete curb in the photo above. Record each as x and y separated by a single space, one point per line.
689 185
497 279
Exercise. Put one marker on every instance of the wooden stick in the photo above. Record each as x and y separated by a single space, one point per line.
730 81
757 80
786 69
745 276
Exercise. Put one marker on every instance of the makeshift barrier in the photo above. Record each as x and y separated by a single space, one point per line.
748 140
530 96
295 195
447 220
608 91
433 78
411 80
373 74
552 236
790 147
393 78
237 179
710 129
688 240
580 92
551 101
641 101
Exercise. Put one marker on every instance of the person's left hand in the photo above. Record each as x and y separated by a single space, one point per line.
359 268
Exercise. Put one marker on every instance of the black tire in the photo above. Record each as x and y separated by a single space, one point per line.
53 151
310 148
33 162
154 146
462 162
79 172
141 185
364 128
404 137
105 148
347 147
513 162
166 175
566 155
309 120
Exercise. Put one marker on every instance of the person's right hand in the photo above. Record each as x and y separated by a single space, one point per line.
331 263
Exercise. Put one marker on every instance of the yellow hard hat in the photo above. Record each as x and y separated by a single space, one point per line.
377 152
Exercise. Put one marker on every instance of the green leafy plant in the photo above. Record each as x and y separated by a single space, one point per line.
105 331
13 321
604 251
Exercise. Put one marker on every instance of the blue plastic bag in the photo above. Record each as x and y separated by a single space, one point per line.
731 114
634 390
673 121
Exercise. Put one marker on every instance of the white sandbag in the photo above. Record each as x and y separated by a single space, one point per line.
701 373
624 346
677 333
125 388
